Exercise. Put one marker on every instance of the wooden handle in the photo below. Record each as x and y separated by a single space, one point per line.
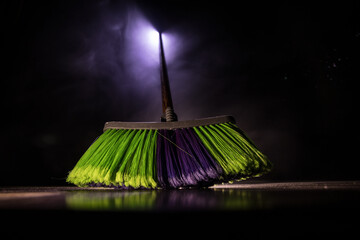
167 104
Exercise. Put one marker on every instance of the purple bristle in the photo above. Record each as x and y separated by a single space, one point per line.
182 160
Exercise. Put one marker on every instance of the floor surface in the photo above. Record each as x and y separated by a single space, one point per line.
252 209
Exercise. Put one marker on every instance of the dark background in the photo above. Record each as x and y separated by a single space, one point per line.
285 70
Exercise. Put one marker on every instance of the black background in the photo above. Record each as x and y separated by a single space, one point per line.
286 70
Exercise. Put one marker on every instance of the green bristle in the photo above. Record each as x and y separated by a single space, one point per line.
118 157
235 153
90 163
138 167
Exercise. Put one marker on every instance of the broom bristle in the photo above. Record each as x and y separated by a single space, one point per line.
122 158
233 150
183 161
164 158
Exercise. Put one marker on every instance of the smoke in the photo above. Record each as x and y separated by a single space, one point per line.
119 54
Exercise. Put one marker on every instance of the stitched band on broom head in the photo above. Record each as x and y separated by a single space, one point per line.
169 125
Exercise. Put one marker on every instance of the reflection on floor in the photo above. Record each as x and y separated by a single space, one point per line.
257 209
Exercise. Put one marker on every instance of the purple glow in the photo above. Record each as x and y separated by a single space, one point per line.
142 48
171 46
122 50
152 37
144 40
178 43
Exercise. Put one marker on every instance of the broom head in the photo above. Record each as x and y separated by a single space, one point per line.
177 154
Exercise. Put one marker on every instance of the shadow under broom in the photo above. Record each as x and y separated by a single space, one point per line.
170 153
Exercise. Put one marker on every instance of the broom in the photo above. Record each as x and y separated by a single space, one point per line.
170 153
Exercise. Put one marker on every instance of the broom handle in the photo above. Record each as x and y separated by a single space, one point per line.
167 104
